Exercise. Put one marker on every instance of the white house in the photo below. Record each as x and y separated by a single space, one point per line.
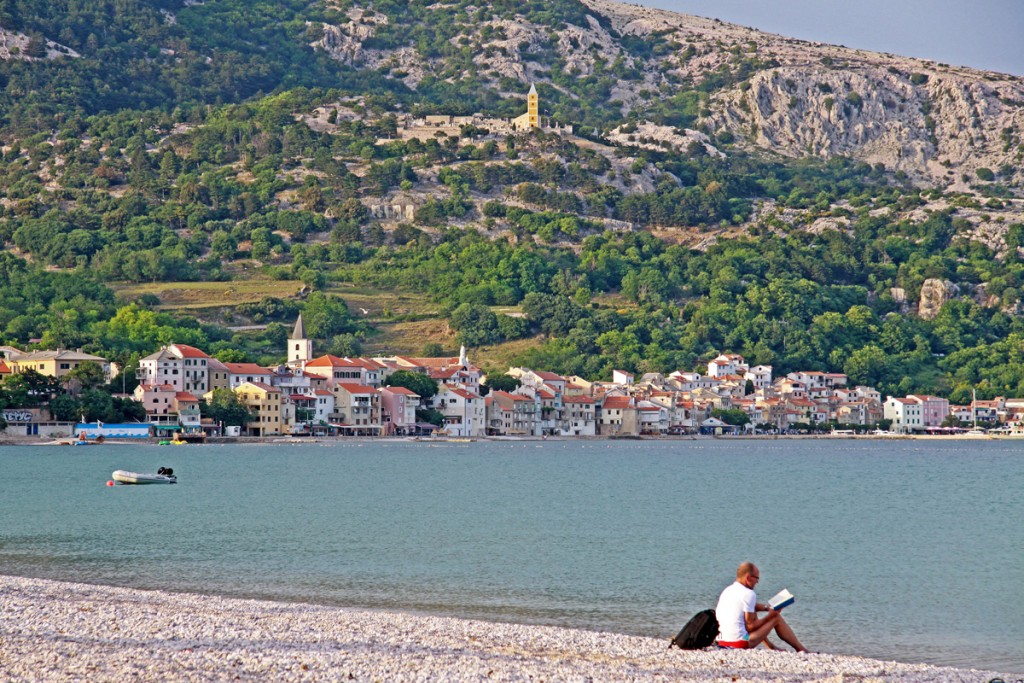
652 417
579 416
727 364
760 376
183 367
464 411
905 413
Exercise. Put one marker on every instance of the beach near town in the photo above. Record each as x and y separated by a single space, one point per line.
54 631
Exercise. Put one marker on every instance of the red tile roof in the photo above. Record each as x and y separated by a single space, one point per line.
400 390
247 369
469 395
189 351
353 388
157 387
511 397
616 402
330 361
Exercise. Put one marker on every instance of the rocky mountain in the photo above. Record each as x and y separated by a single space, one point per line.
935 122
939 124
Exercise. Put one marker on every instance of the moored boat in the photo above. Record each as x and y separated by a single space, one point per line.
165 475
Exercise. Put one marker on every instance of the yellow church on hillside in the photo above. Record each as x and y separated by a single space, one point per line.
531 119
428 126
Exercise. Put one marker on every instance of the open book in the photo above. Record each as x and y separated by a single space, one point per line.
781 599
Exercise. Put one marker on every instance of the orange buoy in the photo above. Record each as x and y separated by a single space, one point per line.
110 482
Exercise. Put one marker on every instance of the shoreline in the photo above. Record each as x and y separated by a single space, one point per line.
58 631
22 440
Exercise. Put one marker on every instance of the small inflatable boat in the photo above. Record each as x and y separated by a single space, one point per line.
164 475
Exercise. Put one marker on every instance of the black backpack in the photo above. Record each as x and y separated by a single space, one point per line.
699 632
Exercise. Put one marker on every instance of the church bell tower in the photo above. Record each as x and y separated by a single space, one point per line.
533 107
300 348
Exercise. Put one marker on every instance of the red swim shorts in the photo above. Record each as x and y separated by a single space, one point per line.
734 644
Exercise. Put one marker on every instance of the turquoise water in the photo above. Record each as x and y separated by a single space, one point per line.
906 550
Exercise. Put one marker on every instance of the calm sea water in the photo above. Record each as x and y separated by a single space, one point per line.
906 550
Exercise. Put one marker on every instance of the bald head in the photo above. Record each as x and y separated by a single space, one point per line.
748 574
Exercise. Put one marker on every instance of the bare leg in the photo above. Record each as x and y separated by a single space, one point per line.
778 624
786 633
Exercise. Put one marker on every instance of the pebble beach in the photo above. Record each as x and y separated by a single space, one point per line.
54 631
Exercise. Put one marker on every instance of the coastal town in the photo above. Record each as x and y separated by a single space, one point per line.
329 396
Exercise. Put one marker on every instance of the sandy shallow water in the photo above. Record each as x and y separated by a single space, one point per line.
53 631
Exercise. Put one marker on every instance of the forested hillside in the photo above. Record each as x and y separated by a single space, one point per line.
229 141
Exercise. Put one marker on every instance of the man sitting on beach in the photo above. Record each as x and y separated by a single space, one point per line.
738 624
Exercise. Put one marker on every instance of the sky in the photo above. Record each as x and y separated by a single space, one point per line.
983 34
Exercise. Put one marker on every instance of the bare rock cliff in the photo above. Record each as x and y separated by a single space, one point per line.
935 126
935 293
939 124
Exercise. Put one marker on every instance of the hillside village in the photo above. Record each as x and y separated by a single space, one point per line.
646 186
350 397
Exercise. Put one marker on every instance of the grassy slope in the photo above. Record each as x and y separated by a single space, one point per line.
403 322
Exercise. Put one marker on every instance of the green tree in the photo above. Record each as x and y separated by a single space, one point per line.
422 385
502 383
476 325
434 417
28 389
65 408
127 410
553 314
97 405
226 408
326 316
432 350
346 345
87 375
731 416
868 366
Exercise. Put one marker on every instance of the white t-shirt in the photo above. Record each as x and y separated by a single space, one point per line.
734 601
